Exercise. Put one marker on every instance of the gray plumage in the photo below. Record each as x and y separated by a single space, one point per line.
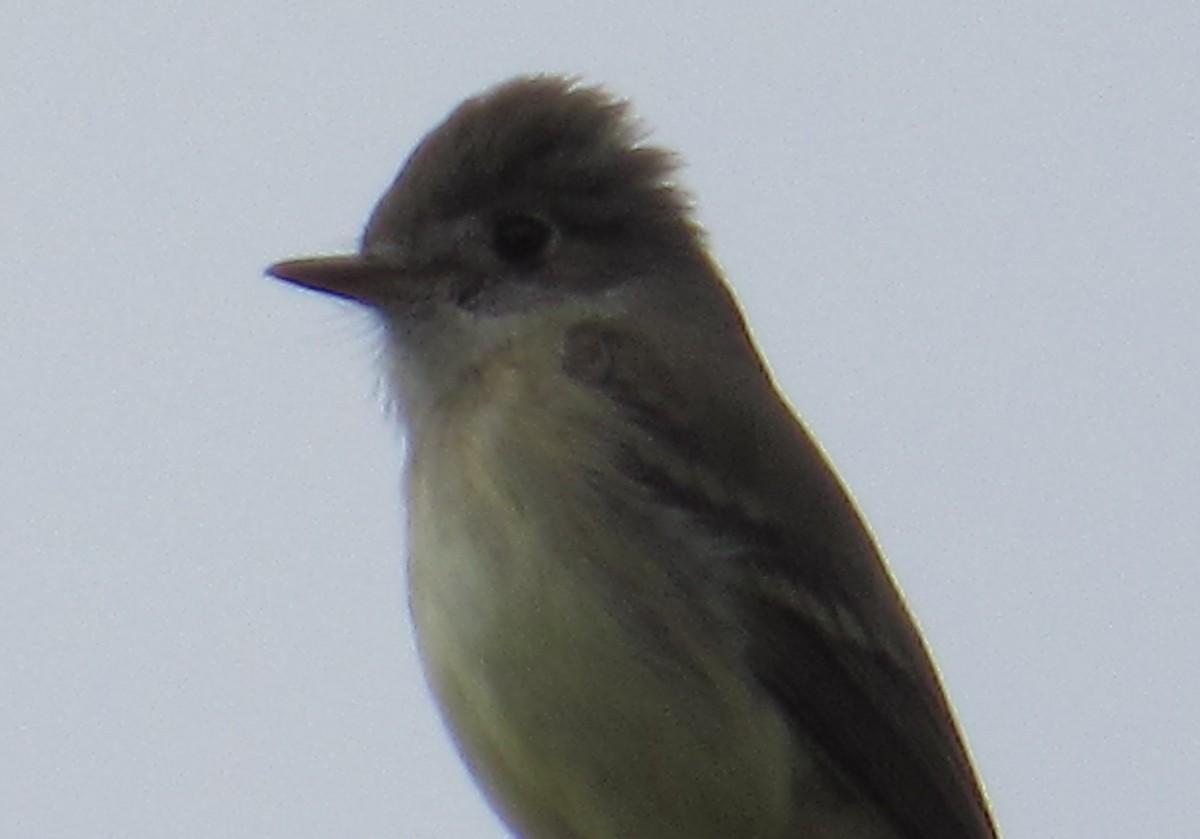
646 604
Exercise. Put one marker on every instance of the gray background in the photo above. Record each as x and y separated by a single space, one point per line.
967 241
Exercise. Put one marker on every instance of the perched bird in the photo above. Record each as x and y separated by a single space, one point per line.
645 603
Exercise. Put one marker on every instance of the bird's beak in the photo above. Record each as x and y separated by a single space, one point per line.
350 276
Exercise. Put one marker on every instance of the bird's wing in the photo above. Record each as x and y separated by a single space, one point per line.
826 634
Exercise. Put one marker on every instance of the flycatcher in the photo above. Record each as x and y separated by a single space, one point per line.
644 601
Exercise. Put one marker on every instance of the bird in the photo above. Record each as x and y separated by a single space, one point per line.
645 603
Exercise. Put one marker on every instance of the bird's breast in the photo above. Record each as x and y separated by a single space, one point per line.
565 662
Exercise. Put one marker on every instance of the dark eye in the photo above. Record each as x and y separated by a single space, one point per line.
521 239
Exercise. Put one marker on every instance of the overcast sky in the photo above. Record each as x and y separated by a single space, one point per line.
968 241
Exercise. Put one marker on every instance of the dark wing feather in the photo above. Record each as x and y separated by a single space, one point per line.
828 636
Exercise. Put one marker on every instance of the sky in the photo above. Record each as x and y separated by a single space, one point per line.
967 241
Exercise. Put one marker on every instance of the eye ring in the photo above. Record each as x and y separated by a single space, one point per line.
522 239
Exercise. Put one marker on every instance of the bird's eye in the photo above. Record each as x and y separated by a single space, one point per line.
521 239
